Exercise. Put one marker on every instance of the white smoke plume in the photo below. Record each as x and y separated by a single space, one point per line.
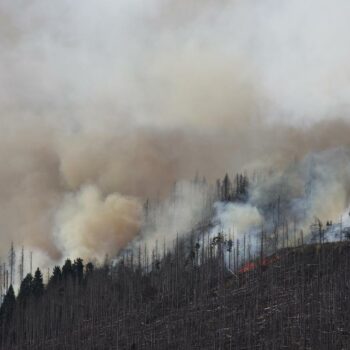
238 219
186 208
90 225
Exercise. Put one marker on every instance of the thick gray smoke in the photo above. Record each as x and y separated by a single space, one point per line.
314 189
106 103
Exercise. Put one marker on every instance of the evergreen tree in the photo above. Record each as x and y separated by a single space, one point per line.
78 269
38 285
238 187
67 269
25 289
89 268
8 306
245 186
226 188
56 276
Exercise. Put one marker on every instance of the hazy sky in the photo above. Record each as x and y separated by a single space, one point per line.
156 62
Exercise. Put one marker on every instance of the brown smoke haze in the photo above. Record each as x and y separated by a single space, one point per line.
104 104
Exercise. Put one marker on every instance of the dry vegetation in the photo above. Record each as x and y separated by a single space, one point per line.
189 299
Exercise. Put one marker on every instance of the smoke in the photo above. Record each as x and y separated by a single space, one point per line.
315 188
238 219
89 225
104 104
188 205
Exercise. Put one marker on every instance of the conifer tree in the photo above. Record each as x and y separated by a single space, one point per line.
56 275
38 285
89 268
226 188
78 269
67 269
8 305
25 289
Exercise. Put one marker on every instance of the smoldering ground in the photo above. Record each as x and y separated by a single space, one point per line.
104 104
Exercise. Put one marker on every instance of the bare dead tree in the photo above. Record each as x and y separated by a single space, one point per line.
12 262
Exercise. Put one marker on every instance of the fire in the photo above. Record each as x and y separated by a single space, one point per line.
250 265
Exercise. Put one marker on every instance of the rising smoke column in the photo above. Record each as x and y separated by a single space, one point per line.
127 97
90 225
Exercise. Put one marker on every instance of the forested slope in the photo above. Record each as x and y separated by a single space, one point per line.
298 299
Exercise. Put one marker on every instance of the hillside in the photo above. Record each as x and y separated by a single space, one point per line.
297 299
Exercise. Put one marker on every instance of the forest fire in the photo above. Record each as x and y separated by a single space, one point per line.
249 266
265 262
174 175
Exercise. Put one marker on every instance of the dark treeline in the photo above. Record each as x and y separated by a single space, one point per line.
187 299
228 190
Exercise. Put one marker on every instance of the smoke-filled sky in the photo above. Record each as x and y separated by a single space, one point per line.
104 103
